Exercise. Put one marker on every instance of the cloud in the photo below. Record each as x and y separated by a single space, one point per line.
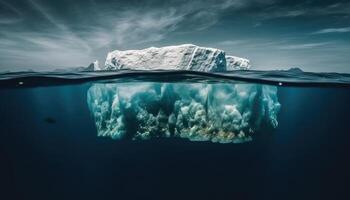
333 30
304 46
9 14
139 27
38 32
155 23
231 42
62 27
279 10
58 32
41 49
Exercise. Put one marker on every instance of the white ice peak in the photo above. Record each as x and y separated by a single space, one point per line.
182 57
96 66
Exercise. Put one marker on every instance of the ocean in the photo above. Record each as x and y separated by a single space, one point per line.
174 135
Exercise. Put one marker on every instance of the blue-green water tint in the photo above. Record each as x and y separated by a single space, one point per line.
50 150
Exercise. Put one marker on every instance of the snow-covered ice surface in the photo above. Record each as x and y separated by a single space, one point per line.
181 57
237 63
220 112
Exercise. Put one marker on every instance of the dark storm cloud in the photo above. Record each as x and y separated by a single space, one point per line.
39 34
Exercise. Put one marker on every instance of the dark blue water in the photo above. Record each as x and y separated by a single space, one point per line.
49 148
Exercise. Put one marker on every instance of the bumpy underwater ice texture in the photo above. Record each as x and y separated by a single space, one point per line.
224 113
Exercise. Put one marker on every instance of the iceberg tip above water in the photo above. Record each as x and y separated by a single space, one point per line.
181 57
94 66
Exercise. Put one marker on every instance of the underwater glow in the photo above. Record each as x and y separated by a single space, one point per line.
217 112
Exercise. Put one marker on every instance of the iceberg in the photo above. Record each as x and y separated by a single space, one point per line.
237 63
94 66
181 57
216 112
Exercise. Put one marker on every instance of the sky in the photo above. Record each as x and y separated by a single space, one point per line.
43 35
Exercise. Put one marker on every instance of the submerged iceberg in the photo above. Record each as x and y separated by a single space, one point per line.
217 112
181 57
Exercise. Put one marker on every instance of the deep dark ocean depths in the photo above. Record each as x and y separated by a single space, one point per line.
52 147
